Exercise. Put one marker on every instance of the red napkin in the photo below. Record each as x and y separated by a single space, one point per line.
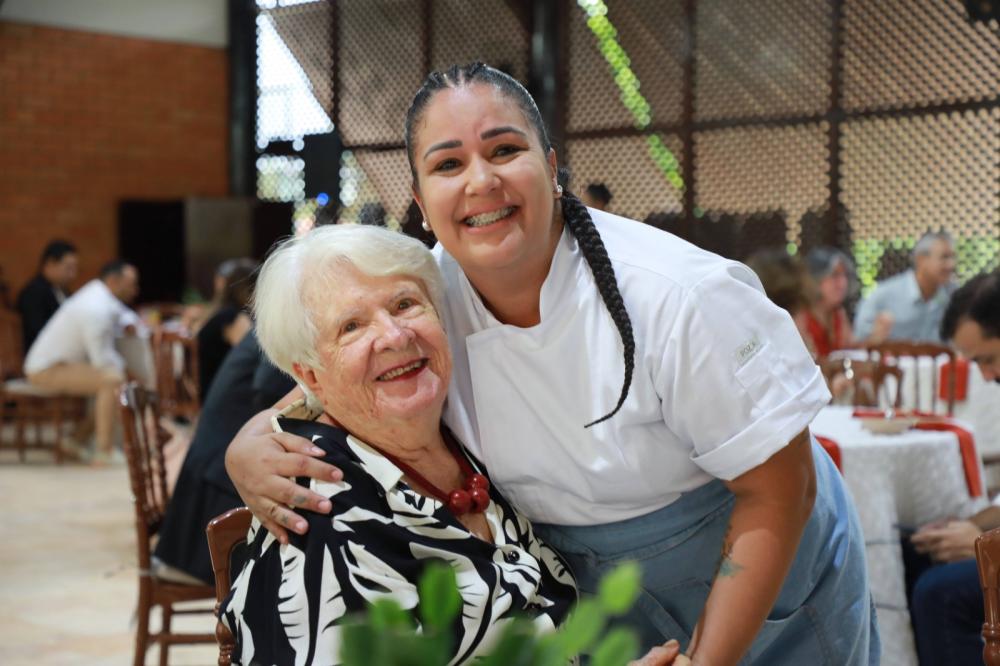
967 446
832 449
961 370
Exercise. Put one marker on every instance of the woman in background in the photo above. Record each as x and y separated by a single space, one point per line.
827 323
226 321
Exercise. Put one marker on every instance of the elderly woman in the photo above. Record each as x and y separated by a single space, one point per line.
351 312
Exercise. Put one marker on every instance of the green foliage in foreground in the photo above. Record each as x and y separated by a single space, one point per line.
388 635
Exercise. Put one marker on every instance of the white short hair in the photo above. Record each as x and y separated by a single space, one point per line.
286 327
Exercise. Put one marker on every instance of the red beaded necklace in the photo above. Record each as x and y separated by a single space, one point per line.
472 497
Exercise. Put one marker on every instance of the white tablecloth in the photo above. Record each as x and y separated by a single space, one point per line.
896 480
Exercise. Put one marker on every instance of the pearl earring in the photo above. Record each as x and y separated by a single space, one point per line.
558 190
426 226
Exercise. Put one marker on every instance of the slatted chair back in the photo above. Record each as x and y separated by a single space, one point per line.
890 352
225 533
11 347
143 443
176 359
867 379
988 561
144 440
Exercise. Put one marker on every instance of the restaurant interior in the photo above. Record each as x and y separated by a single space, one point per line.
835 147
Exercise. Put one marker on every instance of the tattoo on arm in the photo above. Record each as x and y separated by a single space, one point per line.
727 567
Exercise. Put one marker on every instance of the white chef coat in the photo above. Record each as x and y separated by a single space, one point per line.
722 379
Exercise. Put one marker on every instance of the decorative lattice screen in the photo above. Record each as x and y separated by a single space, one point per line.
738 124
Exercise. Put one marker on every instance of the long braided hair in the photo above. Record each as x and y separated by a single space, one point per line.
575 214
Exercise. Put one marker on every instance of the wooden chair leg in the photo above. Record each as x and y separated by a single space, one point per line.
168 613
37 418
20 418
226 642
142 623
57 420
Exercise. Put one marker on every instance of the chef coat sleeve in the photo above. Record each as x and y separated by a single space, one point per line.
736 379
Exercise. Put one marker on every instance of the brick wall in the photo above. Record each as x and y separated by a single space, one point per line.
89 119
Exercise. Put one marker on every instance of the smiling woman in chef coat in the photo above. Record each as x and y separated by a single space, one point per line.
635 396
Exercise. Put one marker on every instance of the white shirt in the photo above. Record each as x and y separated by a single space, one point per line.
82 330
722 379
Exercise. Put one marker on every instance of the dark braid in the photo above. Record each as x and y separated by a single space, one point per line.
578 221
575 214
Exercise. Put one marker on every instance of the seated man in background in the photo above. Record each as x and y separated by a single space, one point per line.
75 352
947 601
42 296
915 299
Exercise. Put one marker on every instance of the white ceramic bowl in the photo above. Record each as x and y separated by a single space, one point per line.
883 426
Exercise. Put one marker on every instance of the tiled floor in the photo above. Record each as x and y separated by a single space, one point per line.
68 568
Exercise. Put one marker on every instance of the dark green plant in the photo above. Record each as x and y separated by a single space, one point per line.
387 634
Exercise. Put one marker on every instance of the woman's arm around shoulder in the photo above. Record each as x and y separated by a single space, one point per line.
262 465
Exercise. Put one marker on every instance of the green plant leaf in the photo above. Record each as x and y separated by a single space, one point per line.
515 647
386 614
581 628
440 601
616 649
361 645
410 649
618 590
549 651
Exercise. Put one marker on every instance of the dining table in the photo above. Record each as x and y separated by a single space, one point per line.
899 482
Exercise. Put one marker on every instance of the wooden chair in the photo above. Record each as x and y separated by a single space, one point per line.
890 352
225 533
988 561
23 404
175 354
144 439
868 379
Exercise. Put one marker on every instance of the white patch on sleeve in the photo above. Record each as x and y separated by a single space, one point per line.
747 351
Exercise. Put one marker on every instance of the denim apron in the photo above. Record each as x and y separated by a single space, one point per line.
823 615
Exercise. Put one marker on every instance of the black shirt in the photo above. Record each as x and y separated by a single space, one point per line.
37 302
213 346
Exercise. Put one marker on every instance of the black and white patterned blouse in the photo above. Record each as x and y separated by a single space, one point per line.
287 604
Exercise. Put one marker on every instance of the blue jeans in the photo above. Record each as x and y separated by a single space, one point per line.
947 614
823 615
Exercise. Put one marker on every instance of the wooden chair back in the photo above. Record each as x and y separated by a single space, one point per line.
143 443
988 561
225 533
11 344
886 352
867 378
28 407
175 356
